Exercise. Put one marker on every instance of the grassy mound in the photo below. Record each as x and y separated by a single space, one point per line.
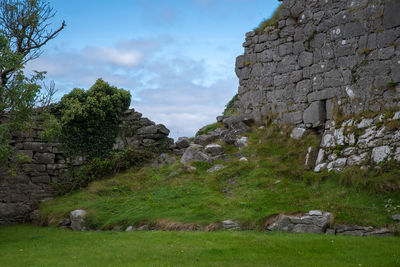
273 181
33 246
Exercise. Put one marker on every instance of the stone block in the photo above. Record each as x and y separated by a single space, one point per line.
391 16
305 59
44 158
315 114
38 147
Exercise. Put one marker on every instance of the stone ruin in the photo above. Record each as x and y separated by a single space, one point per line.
323 61
20 193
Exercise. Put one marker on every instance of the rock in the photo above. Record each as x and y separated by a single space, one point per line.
298 133
205 139
330 231
143 228
77 218
129 229
315 213
243 159
229 136
66 222
230 225
235 121
315 114
356 230
320 167
193 153
242 142
312 222
311 158
183 142
216 168
396 217
380 154
213 149
164 158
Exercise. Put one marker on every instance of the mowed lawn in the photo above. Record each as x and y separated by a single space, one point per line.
25 245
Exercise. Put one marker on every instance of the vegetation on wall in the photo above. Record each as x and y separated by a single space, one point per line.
269 22
90 118
230 108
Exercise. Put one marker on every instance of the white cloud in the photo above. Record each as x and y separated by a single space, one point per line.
106 55
167 87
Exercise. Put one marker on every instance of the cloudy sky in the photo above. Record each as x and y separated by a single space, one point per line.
176 57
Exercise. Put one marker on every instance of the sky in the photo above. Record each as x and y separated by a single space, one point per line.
175 57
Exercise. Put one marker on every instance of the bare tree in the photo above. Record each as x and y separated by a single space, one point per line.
25 24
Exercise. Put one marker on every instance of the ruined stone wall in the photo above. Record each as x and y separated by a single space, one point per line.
43 163
324 57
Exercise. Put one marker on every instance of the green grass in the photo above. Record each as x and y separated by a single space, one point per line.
209 128
269 22
230 109
32 246
273 181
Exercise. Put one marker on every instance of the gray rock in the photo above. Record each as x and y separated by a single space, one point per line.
305 59
65 222
391 16
129 229
242 142
315 114
193 153
213 149
380 154
143 228
298 133
205 139
230 225
396 217
311 158
313 222
216 168
77 218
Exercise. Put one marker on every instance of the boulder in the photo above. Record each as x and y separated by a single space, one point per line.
193 153
183 142
77 218
230 225
205 139
213 149
243 159
356 230
312 222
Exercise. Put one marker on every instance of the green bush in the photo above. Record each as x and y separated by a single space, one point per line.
90 118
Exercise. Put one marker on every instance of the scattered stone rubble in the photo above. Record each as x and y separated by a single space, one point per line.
315 221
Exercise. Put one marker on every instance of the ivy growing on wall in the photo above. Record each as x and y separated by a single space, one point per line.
90 119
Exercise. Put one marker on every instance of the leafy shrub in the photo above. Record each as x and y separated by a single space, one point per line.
90 118
230 108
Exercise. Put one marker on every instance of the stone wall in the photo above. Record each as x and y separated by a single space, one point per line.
43 163
323 57
359 142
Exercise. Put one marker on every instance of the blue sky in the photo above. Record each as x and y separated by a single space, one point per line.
176 57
